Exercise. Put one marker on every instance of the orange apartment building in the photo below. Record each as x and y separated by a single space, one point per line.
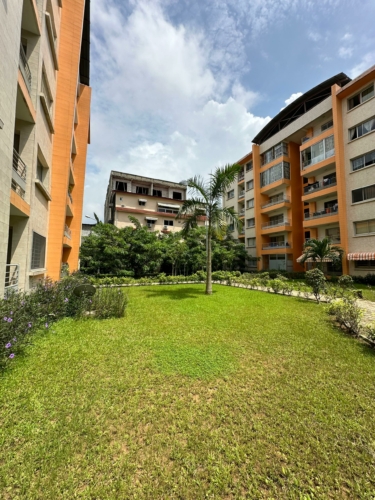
155 203
311 174
44 133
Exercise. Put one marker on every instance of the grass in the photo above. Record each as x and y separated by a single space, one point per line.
239 395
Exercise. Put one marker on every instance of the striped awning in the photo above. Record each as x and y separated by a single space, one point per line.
361 256
312 260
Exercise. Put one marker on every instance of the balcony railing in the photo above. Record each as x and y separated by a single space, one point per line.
276 244
19 175
270 224
241 176
25 69
318 152
241 194
321 213
11 277
317 186
67 232
241 212
275 201
70 198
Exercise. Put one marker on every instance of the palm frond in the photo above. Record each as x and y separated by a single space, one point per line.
197 186
222 178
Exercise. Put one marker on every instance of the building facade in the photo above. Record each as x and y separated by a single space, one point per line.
153 202
44 112
311 174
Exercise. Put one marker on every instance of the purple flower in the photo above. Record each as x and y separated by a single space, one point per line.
23 303
14 339
10 320
8 345
12 355
46 325
66 300
11 312
29 325
5 318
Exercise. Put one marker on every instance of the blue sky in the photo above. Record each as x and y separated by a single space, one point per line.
181 86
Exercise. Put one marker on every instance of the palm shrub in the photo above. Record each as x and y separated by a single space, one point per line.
320 250
206 200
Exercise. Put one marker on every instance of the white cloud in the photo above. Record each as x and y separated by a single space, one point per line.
314 36
345 52
347 36
367 61
292 98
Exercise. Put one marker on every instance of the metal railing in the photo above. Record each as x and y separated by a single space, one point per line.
45 91
242 212
67 232
312 161
19 165
317 186
241 176
270 224
276 201
276 244
321 213
11 277
25 69
70 198
241 194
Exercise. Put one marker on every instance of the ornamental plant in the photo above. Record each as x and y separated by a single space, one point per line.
317 281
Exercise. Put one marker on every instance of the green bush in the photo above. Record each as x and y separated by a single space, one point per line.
317 281
369 279
348 314
108 303
345 281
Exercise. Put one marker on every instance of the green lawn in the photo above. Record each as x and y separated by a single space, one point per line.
240 395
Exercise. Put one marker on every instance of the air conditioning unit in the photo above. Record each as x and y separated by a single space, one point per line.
165 228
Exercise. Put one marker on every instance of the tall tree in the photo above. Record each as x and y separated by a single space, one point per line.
206 200
320 250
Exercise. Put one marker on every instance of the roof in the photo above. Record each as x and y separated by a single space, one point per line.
300 106
141 178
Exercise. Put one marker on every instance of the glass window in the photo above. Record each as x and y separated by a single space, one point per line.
230 194
361 129
251 242
249 166
168 223
365 226
38 252
364 263
250 222
250 185
363 96
327 125
156 192
177 195
363 194
275 173
141 190
363 161
250 203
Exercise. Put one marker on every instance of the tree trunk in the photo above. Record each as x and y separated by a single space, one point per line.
209 264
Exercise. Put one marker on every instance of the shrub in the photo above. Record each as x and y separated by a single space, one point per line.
316 279
369 279
345 281
348 314
108 303
370 331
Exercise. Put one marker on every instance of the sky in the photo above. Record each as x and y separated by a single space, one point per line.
183 86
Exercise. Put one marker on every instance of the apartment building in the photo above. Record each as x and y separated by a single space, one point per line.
44 132
153 202
312 177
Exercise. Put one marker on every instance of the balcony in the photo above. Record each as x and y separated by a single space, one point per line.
317 186
69 205
318 152
276 223
241 177
11 277
272 245
241 194
327 212
25 69
276 200
67 232
241 213
19 175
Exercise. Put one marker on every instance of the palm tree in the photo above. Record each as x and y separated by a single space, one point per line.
320 250
206 201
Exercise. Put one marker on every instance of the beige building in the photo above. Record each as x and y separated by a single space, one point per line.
154 202
311 174
41 83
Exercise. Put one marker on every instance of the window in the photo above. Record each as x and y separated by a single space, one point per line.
333 233
141 203
275 152
250 222
250 203
318 152
141 190
121 186
249 166
365 226
249 185
275 173
167 210
363 96
38 251
177 195
156 192
364 263
327 125
230 194
363 161
39 171
168 223
362 129
251 242
363 194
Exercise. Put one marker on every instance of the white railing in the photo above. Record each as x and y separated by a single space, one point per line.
276 244
317 186
275 201
25 69
269 224
11 277
241 194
